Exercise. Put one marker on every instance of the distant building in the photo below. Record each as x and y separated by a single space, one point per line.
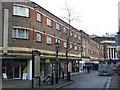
108 42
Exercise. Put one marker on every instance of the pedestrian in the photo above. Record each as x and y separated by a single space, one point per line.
88 68
84 68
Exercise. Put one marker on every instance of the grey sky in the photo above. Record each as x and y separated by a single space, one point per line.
95 16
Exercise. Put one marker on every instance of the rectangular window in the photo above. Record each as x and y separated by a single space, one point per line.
20 33
65 44
71 33
58 40
65 30
49 22
39 17
76 47
21 11
49 40
38 37
57 26
71 45
75 35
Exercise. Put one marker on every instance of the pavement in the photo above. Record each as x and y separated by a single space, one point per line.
27 84
113 83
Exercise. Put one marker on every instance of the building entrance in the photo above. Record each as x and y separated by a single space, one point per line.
12 70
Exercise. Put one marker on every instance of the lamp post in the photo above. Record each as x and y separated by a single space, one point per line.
57 61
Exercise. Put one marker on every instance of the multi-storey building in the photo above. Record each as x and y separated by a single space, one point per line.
91 50
27 26
109 46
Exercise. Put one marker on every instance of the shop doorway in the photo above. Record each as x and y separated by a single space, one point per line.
12 70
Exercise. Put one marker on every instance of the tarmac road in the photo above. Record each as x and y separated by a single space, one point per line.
89 80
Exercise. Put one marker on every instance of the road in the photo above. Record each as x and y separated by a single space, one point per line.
88 80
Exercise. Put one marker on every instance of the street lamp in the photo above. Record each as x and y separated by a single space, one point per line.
57 61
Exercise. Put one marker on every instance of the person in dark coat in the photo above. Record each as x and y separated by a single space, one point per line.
88 68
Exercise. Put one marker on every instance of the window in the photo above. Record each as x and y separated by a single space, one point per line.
75 35
20 33
38 37
79 37
75 47
49 22
57 26
71 33
49 40
71 45
58 40
39 17
65 30
21 11
65 44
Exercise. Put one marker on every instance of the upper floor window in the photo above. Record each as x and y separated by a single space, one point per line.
71 33
39 17
57 26
65 30
38 37
76 47
75 35
21 11
49 40
49 22
58 40
20 33
71 45
65 44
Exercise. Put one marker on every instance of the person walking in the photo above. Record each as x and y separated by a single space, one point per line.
88 68
84 68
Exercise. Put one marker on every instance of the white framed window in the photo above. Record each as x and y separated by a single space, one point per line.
49 40
21 11
79 36
65 30
71 33
75 35
76 47
39 37
20 33
71 45
39 17
65 44
58 40
58 26
49 22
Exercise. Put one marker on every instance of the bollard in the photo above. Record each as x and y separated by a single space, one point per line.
52 79
62 75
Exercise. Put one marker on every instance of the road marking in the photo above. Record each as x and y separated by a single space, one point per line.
108 83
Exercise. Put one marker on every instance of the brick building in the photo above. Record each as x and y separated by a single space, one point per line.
109 46
27 26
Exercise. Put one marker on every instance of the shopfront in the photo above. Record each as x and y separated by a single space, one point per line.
13 69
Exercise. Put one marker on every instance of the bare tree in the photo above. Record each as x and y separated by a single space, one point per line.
69 17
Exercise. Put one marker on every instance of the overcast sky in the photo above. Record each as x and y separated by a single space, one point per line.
94 16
